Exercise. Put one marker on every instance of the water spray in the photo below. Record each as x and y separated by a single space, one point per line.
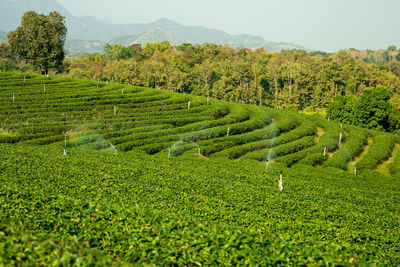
266 165
65 144
227 133
188 104
280 184
114 148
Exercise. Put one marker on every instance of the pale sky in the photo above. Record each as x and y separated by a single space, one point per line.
327 25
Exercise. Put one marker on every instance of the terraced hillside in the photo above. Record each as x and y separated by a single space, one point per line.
93 172
40 110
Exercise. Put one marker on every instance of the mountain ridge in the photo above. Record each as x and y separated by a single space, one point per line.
88 29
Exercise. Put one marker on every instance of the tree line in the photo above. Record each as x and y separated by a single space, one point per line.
294 79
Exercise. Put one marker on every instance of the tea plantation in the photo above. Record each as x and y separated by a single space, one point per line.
96 173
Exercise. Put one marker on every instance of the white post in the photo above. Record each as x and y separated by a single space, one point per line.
13 97
227 134
198 151
188 104
266 165
122 90
44 88
280 184
355 168
340 138
324 151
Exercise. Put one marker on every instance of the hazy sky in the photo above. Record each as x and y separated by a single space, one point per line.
327 25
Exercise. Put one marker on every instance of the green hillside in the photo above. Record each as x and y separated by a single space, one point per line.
154 177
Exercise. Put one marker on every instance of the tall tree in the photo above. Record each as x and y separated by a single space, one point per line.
373 109
40 40
274 66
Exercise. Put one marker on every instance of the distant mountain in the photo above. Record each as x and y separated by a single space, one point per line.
157 35
125 40
277 46
77 46
11 11
83 30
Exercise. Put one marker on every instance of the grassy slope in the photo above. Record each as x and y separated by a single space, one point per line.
97 206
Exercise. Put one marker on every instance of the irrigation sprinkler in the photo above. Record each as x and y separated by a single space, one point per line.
340 138
266 165
280 184
188 104
227 133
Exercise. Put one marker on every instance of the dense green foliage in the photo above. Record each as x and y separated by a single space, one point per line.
298 79
132 188
372 110
40 40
